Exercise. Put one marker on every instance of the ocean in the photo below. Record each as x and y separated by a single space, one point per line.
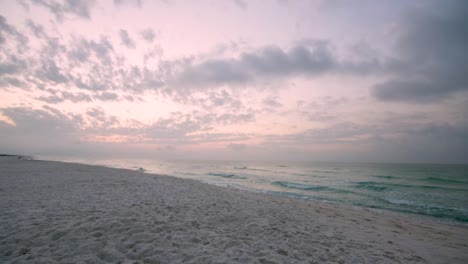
434 190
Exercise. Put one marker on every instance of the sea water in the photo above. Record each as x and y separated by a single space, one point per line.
434 190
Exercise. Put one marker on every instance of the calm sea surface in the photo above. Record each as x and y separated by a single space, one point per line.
426 189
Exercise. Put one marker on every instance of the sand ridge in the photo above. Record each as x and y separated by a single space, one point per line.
56 212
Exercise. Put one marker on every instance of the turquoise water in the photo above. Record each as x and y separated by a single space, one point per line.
425 189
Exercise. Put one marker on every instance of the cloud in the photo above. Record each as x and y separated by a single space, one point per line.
419 91
126 40
12 65
36 29
398 139
51 72
12 81
314 59
100 119
65 96
270 61
179 126
136 3
272 102
38 129
241 4
81 50
6 28
79 8
217 99
107 96
432 54
24 4
148 35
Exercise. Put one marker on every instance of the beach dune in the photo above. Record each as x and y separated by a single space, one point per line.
53 212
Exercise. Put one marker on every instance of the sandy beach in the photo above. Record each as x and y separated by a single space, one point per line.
53 212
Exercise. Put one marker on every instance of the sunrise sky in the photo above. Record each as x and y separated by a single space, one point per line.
330 80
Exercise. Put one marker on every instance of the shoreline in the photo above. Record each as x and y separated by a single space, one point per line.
436 218
70 212
420 217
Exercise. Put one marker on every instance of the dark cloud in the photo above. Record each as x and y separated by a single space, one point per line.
272 102
82 49
79 8
51 99
51 72
432 56
36 29
107 96
100 119
420 91
52 49
130 2
241 4
12 65
148 35
65 96
315 58
38 130
126 40
129 98
12 82
228 119
7 29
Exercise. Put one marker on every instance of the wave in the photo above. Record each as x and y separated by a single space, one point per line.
249 168
442 180
308 175
305 197
374 186
227 175
323 171
382 186
397 205
300 186
428 209
307 187
385 176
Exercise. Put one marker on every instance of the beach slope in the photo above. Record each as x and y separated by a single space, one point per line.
53 212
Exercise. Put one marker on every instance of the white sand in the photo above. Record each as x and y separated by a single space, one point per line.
53 212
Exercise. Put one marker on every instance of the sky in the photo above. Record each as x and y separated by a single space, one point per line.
323 80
